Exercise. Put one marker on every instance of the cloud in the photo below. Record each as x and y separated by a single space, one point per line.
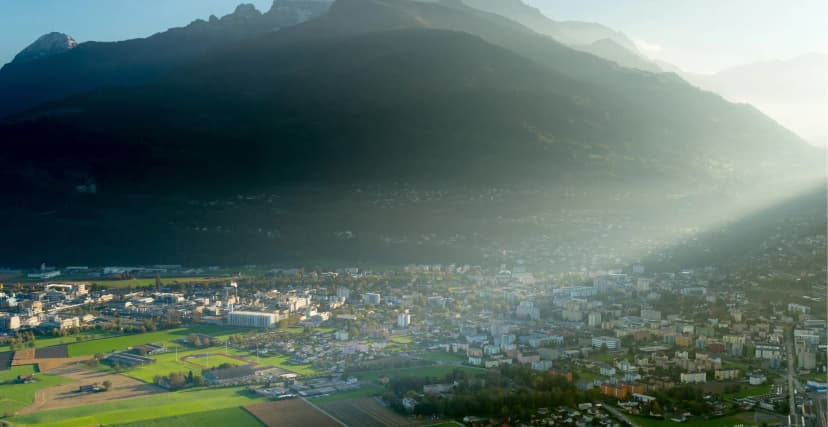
649 49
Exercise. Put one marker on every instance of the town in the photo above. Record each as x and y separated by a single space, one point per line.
420 344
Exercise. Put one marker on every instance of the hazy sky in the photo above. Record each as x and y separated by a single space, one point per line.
697 35
707 35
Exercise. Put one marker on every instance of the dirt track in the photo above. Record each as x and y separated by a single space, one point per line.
67 395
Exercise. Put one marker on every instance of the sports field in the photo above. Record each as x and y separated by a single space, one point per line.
159 406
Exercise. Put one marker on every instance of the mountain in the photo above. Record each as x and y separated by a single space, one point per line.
370 95
55 66
46 45
370 100
585 36
609 49
794 91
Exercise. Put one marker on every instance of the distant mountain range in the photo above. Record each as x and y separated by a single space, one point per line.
357 93
794 91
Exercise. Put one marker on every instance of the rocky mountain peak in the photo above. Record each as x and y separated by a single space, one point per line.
46 45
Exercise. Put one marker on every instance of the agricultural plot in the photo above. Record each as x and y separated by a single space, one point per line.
67 395
236 417
53 352
13 372
291 413
164 405
5 360
107 345
41 342
366 412
14 397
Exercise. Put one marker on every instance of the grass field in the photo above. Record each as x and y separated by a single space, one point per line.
236 417
442 356
400 340
424 371
14 397
750 391
165 405
603 357
107 345
166 363
51 341
215 360
365 390
10 374
730 421
281 362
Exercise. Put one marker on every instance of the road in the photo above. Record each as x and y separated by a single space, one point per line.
793 416
821 409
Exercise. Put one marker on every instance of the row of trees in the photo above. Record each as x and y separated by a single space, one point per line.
513 392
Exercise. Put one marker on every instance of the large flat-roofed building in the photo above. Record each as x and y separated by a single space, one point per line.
252 319
611 343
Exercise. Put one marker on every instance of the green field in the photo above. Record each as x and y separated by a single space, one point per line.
214 360
604 357
165 405
236 417
280 362
14 397
107 345
51 341
423 371
150 281
750 391
14 371
730 421
167 362
400 340
365 390
442 356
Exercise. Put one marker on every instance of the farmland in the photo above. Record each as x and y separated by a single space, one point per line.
14 397
365 412
107 345
236 417
291 413
14 371
41 342
67 395
163 405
